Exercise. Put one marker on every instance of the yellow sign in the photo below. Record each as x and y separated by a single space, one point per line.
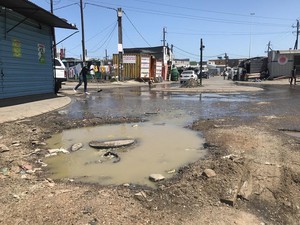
16 48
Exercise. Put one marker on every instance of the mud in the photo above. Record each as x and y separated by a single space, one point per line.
244 139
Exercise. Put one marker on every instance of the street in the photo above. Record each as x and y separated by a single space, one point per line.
246 129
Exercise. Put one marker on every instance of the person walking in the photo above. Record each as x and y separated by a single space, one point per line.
293 77
83 78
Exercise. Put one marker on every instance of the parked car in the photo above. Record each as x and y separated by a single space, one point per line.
205 74
60 73
187 75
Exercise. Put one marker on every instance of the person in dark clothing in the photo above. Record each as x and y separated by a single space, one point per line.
82 78
293 77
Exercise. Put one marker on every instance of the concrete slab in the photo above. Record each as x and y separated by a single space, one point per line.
25 110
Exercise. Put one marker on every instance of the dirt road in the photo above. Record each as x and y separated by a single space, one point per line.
256 166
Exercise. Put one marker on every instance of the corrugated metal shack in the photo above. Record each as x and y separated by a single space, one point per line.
158 65
281 62
255 64
139 66
26 42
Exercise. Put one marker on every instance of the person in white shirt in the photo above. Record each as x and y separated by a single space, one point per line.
92 70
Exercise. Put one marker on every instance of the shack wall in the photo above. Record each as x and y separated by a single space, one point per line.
26 64
281 63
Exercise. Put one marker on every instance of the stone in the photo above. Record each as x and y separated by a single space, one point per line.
230 193
76 147
16 143
246 188
4 171
171 171
140 196
26 167
58 150
209 173
3 148
156 177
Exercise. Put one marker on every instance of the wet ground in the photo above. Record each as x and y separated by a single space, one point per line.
249 139
163 141
140 101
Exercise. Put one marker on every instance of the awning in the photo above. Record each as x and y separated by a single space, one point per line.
32 11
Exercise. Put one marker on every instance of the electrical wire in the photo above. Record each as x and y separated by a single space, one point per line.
66 6
136 29
209 19
107 40
209 11
186 51
101 6
223 34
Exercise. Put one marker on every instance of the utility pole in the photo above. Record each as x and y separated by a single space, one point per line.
164 36
120 44
53 31
201 51
164 53
106 57
226 60
297 35
269 48
82 32
250 41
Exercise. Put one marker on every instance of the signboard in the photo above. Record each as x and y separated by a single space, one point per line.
282 60
158 69
16 48
145 66
120 48
129 59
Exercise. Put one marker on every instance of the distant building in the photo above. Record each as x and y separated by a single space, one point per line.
181 62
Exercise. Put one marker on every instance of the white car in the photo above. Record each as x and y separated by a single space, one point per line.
60 73
187 75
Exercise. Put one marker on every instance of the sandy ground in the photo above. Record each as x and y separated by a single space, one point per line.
256 180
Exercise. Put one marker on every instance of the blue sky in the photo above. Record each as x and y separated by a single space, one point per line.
239 28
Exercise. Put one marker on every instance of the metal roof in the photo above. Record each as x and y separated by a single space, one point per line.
146 50
290 51
32 11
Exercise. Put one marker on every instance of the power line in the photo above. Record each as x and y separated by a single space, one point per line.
186 51
107 39
104 29
231 34
157 4
101 6
209 19
136 29
66 6
209 11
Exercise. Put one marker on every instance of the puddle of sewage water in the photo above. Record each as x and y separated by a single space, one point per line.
160 148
